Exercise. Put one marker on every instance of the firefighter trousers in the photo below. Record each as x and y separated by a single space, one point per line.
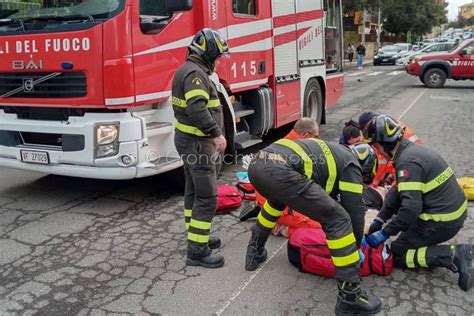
200 193
283 186
419 247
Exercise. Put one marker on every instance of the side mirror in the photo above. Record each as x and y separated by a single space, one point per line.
463 52
178 5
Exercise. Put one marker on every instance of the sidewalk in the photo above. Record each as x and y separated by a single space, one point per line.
353 65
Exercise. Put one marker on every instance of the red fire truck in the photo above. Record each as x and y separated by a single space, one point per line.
85 85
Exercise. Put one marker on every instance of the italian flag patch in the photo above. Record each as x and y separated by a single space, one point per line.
402 173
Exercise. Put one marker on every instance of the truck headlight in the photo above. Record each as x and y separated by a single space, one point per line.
106 134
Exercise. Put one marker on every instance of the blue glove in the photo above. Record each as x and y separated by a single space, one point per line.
362 256
375 226
377 238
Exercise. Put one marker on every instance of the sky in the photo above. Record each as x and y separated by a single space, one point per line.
453 8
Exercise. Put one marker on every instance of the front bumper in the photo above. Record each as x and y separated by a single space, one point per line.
135 142
413 69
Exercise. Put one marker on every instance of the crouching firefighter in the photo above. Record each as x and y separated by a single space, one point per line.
198 139
428 207
308 175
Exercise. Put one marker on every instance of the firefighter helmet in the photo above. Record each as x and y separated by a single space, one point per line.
209 44
383 129
367 160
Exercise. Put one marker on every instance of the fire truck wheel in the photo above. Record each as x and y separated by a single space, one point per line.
434 78
313 101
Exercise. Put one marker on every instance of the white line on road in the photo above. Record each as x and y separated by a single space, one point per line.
412 105
244 286
359 73
375 73
395 73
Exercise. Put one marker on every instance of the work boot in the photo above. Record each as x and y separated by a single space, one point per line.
256 252
214 242
352 300
203 256
462 264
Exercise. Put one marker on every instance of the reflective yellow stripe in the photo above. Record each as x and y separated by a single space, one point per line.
342 242
427 187
178 102
186 226
308 163
347 260
213 103
410 186
188 213
189 129
272 211
202 239
421 257
332 170
196 93
445 217
410 258
439 180
265 222
351 187
200 225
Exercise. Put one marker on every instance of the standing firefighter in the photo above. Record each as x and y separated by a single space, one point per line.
308 175
199 140
430 206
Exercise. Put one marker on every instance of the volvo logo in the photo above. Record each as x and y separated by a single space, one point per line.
27 65
28 85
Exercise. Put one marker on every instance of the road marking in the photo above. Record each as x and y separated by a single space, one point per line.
357 74
252 277
375 73
412 105
395 73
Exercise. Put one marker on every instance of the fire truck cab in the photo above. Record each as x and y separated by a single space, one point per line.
85 85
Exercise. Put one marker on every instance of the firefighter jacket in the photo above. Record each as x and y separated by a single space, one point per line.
427 190
196 104
333 167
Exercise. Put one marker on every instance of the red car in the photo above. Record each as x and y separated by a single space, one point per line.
433 69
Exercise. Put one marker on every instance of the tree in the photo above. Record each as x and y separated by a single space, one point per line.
415 16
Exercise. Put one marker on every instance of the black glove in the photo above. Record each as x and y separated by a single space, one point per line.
375 226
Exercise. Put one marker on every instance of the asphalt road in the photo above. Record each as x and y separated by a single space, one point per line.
73 246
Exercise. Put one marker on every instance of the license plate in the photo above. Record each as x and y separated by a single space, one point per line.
39 157
385 60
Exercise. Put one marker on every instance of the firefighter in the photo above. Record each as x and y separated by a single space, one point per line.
199 139
428 207
304 128
307 175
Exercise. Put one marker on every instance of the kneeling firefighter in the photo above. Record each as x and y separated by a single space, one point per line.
428 207
308 175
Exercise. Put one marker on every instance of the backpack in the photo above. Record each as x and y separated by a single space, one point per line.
228 198
308 251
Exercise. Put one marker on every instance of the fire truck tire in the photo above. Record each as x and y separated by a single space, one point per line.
313 101
435 78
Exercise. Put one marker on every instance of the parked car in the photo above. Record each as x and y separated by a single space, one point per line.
435 68
386 55
436 47
467 35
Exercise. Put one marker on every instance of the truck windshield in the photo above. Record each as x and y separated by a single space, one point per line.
20 10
